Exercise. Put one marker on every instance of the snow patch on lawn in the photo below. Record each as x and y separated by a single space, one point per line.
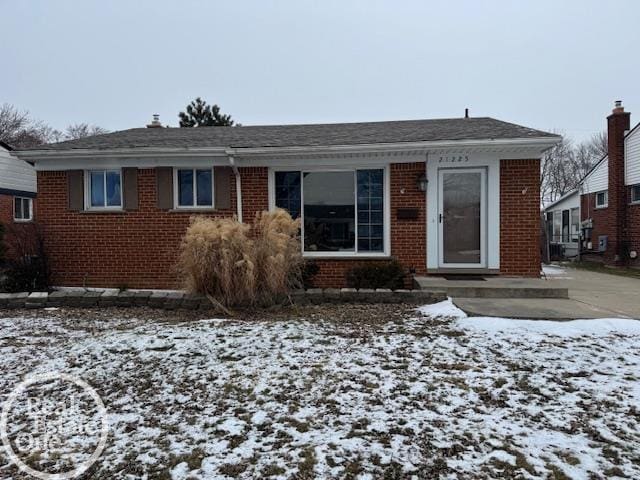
573 328
555 271
445 309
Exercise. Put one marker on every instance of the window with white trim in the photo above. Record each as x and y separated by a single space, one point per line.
193 187
342 211
104 189
22 209
635 194
602 199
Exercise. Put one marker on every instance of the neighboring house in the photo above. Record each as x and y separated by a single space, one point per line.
563 225
17 188
448 195
610 197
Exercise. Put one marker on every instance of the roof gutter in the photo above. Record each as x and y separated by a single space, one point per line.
236 173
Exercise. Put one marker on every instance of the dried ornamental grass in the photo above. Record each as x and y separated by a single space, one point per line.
278 255
216 259
234 264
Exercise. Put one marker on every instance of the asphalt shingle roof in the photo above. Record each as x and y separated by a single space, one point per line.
477 128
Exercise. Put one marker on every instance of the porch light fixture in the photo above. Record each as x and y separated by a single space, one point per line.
422 183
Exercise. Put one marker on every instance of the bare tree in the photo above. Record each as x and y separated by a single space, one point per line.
565 165
589 152
557 171
18 129
82 130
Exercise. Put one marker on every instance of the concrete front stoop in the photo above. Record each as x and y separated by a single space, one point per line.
493 287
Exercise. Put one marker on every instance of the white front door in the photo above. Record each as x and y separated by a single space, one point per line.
462 218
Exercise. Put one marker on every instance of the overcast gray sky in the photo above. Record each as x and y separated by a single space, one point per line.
545 64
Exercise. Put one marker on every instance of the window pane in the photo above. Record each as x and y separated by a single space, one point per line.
113 189
97 189
370 205
550 226
565 226
575 225
26 208
635 193
557 227
185 188
329 212
288 192
17 208
205 187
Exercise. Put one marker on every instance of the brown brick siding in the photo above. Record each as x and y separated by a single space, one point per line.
600 217
6 209
135 248
603 223
138 248
633 229
255 191
12 227
520 217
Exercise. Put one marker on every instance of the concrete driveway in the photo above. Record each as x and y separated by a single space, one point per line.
614 293
591 295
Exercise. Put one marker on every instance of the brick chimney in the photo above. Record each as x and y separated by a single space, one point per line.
617 124
155 123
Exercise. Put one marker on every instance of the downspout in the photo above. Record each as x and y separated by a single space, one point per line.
236 172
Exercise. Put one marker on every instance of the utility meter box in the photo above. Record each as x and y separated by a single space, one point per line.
602 243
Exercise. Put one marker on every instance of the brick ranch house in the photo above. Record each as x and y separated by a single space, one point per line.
17 191
444 195
610 197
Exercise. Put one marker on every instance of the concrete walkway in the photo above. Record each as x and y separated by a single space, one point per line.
591 295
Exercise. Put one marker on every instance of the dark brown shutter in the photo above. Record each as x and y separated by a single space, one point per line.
222 177
75 187
164 187
130 188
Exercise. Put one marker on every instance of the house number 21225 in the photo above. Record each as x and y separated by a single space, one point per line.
454 158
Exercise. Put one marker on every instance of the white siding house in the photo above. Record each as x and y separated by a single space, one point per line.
17 177
563 224
632 157
17 188
597 180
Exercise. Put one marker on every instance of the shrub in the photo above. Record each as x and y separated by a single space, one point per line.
389 274
27 264
237 264
2 245
309 271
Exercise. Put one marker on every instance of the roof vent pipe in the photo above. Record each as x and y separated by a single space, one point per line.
155 123
466 113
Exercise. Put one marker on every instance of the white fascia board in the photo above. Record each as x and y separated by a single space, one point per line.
542 143
55 164
152 157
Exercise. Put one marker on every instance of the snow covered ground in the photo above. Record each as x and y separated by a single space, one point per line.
428 393
555 271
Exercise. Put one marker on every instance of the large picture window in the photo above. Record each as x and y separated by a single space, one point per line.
105 189
341 211
194 187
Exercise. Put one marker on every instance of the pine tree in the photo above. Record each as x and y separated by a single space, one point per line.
200 114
